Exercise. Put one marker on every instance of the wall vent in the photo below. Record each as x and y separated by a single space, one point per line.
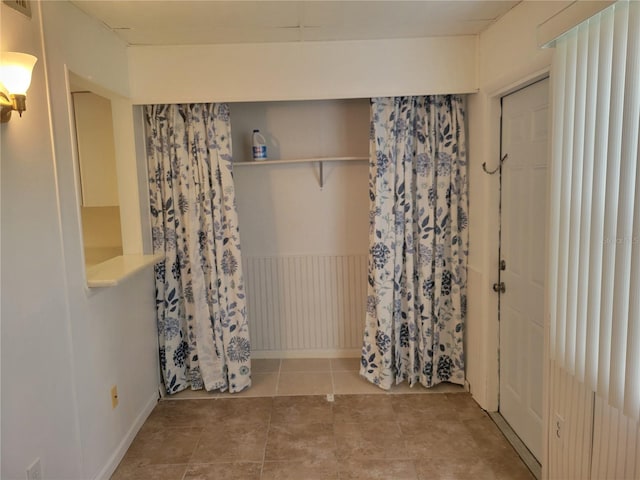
23 6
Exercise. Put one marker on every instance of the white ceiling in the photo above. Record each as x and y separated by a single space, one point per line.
187 22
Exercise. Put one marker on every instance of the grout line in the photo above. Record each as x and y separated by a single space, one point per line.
333 383
335 440
266 439
278 379
193 453
395 390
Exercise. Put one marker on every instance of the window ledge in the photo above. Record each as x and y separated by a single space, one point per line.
114 271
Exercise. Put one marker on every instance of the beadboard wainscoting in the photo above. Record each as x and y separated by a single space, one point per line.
306 305
596 441
616 443
570 442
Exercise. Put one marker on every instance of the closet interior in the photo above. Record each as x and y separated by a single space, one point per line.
303 216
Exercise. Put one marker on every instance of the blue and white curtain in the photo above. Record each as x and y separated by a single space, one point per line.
418 238
201 309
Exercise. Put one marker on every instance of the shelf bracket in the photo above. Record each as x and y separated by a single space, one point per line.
319 161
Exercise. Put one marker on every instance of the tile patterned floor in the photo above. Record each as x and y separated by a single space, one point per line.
292 431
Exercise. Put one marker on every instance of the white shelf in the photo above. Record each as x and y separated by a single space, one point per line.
320 161
301 160
115 270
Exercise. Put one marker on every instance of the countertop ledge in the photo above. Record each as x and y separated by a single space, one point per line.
117 269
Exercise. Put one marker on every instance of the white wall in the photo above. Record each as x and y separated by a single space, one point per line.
302 71
38 409
113 330
63 345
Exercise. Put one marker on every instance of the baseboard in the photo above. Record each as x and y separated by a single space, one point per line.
328 353
124 445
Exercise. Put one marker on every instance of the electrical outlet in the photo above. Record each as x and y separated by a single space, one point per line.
34 471
558 427
114 396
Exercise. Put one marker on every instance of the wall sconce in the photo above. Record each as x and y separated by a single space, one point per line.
15 78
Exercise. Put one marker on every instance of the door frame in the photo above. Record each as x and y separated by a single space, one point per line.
494 127
513 438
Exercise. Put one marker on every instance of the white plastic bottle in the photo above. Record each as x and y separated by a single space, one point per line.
259 146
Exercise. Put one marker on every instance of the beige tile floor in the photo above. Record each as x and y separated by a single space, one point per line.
289 429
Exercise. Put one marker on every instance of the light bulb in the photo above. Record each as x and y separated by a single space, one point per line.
15 71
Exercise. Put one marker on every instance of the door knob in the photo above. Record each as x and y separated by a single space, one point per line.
499 287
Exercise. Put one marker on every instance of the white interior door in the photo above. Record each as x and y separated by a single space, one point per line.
523 240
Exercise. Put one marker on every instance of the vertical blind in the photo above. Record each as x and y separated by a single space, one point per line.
594 270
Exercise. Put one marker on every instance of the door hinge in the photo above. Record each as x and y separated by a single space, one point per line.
499 287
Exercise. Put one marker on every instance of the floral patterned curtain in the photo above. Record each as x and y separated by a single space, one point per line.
418 239
202 323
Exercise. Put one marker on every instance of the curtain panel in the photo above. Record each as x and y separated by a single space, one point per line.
202 323
417 271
